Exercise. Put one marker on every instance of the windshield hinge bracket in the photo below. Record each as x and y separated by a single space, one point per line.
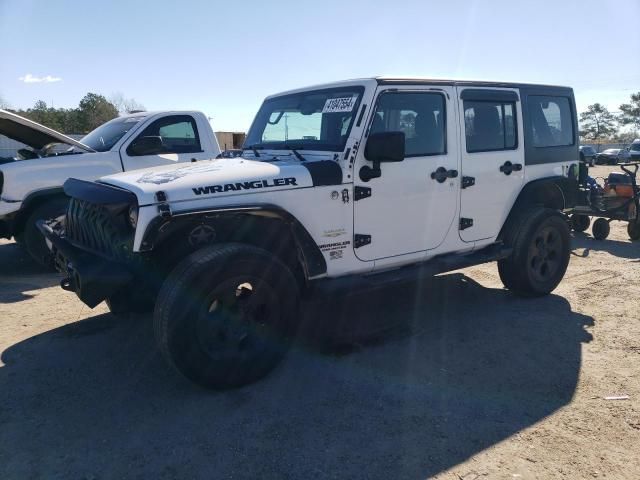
361 192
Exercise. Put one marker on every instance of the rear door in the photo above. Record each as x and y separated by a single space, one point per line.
179 142
492 159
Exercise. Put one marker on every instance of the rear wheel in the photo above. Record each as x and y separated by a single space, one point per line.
601 229
579 222
541 249
633 229
33 240
225 315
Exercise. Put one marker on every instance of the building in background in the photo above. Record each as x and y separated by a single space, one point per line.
230 140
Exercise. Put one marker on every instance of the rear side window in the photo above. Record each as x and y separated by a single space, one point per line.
551 120
490 125
178 132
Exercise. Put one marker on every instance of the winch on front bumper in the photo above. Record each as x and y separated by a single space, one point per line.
94 248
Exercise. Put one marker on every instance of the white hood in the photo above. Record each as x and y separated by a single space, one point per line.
211 179
33 134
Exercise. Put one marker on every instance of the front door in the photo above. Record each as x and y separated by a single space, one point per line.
178 140
492 159
407 210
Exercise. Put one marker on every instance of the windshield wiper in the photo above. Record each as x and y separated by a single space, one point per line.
295 152
254 149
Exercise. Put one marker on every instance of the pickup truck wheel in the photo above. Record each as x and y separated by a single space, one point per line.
225 315
541 249
33 240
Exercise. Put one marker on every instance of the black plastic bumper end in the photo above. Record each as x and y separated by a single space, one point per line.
92 278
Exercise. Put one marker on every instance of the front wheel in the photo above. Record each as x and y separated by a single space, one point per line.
225 315
541 248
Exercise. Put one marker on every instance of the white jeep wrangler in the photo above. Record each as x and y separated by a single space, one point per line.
31 182
340 186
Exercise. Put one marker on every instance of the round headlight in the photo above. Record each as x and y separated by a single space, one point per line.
133 216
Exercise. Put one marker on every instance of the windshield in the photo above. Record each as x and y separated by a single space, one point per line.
312 120
612 150
635 147
107 135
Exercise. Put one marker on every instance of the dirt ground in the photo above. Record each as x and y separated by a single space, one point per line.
472 383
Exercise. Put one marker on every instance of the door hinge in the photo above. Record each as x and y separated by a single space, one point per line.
361 192
360 240
466 223
468 182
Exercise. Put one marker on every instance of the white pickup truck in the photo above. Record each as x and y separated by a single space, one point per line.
31 183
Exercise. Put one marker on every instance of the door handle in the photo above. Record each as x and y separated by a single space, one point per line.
441 174
507 168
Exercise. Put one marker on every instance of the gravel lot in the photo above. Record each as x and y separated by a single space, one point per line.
469 383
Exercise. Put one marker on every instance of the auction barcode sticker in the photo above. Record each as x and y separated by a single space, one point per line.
342 104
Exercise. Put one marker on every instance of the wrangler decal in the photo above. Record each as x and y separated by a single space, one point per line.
232 187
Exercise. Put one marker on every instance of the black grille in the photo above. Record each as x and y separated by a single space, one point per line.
99 228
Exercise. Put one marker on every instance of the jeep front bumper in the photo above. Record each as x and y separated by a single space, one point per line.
92 277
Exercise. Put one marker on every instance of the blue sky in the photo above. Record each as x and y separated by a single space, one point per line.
224 57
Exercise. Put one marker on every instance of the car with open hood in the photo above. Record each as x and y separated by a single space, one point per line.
31 182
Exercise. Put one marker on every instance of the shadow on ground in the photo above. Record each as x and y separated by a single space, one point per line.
621 249
471 367
19 274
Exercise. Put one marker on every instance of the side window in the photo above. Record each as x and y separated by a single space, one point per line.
551 121
178 133
420 116
490 125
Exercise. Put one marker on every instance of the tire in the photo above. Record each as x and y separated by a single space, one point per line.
32 240
125 302
633 229
19 239
541 248
601 229
225 315
579 222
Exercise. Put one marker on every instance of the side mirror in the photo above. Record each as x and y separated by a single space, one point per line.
385 147
146 146
382 147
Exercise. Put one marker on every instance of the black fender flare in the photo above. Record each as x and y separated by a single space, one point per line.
557 192
312 258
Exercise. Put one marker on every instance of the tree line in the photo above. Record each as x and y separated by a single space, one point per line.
92 111
597 123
